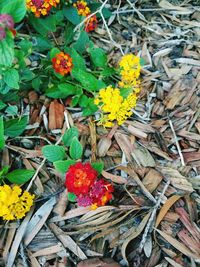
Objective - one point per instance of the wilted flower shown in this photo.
(62, 63)
(14, 203)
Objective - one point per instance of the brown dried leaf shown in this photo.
(152, 180)
(114, 178)
(61, 205)
(56, 115)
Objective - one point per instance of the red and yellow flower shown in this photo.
(91, 24)
(82, 8)
(62, 63)
(41, 7)
(80, 177)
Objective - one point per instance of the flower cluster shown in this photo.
(84, 10)
(6, 23)
(14, 204)
(130, 68)
(113, 106)
(62, 63)
(41, 7)
(81, 180)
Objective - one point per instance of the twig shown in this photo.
(177, 143)
(151, 219)
(23, 256)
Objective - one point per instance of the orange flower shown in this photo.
(62, 63)
(41, 7)
(82, 8)
(91, 24)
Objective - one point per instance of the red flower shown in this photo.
(62, 63)
(80, 177)
(91, 24)
(101, 192)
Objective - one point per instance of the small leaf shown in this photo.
(69, 135)
(76, 149)
(62, 166)
(2, 105)
(53, 152)
(72, 15)
(4, 171)
(77, 60)
(98, 57)
(11, 78)
(98, 166)
(71, 197)
(7, 50)
(2, 141)
(20, 176)
(15, 127)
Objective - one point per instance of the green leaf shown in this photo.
(69, 33)
(36, 83)
(12, 110)
(4, 171)
(16, 8)
(2, 141)
(71, 197)
(43, 25)
(54, 51)
(77, 60)
(72, 15)
(2, 105)
(142, 61)
(98, 166)
(75, 100)
(62, 91)
(20, 176)
(41, 43)
(53, 152)
(81, 44)
(7, 50)
(90, 109)
(15, 127)
(84, 101)
(11, 78)
(76, 149)
(62, 166)
(69, 135)
(125, 92)
(89, 82)
(107, 72)
(98, 57)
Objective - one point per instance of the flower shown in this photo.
(130, 68)
(41, 7)
(84, 200)
(119, 110)
(62, 63)
(91, 24)
(82, 8)
(14, 204)
(101, 192)
(6, 22)
(80, 177)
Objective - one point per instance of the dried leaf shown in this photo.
(56, 115)
(96, 262)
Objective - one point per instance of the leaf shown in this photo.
(44, 25)
(90, 109)
(4, 171)
(178, 245)
(98, 57)
(89, 82)
(11, 78)
(114, 178)
(62, 166)
(54, 51)
(163, 211)
(71, 197)
(16, 8)
(2, 105)
(2, 141)
(77, 60)
(76, 149)
(53, 152)
(15, 127)
(7, 50)
(62, 91)
(72, 15)
(69, 135)
(98, 166)
(83, 41)
(20, 176)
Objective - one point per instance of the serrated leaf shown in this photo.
(71, 197)
(98, 166)
(20, 176)
(15, 127)
(76, 149)
(11, 78)
(2, 141)
(53, 152)
(7, 50)
(62, 166)
(69, 135)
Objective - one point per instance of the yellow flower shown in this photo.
(113, 107)
(14, 204)
(82, 8)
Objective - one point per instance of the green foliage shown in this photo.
(76, 149)
(15, 127)
(53, 152)
(2, 141)
(71, 197)
(71, 15)
(20, 176)
(98, 57)
(11, 78)
(16, 8)
(62, 166)
(98, 166)
(7, 50)
(69, 135)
